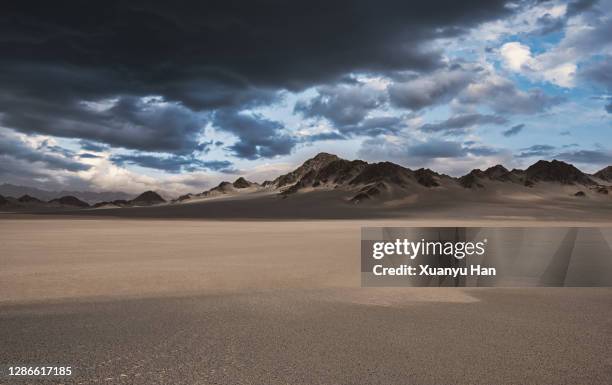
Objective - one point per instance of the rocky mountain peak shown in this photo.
(556, 171)
(427, 177)
(497, 172)
(313, 164)
(605, 174)
(148, 198)
(241, 183)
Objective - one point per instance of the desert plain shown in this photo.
(179, 301)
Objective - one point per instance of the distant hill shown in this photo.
(147, 198)
(225, 188)
(11, 190)
(28, 199)
(69, 201)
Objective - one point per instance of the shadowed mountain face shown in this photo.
(147, 198)
(472, 179)
(327, 171)
(557, 171)
(308, 169)
(241, 183)
(542, 171)
(383, 172)
(427, 178)
(498, 172)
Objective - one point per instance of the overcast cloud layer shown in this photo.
(128, 95)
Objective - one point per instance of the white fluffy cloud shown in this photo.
(547, 67)
(515, 55)
(585, 36)
(433, 89)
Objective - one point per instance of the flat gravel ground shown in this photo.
(489, 336)
(204, 302)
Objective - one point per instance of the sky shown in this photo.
(178, 96)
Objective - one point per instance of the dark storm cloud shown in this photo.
(200, 57)
(223, 166)
(419, 152)
(536, 150)
(347, 107)
(549, 24)
(482, 151)
(324, 136)
(587, 156)
(13, 147)
(92, 146)
(18, 172)
(468, 86)
(579, 6)
(503, 97)
(342, 105)
(434, 89)
(130, 122)
(375, 126)
(173, 164)
(48, 147)
(458, 124)
(258, 137)
(435, 148)
(514, 130)
(23, 173)
(599, 74)
(288, 44)
(88, 156)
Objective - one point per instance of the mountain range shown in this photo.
(382, 181)
(27, 202)
(328, 182)
(91, 197)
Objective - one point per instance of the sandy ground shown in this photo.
(254, 302)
